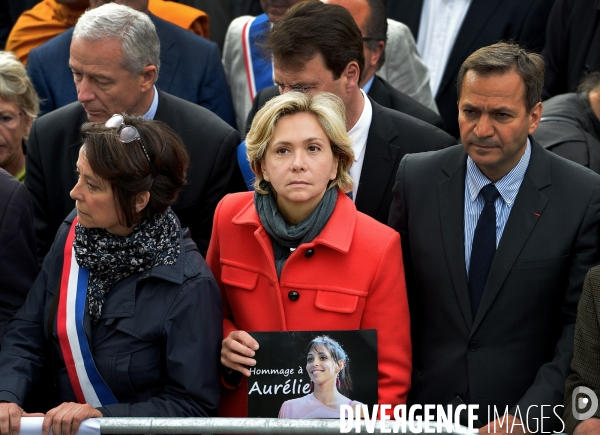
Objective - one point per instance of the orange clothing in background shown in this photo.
(40, 24)
(49, 19)
(185, 16)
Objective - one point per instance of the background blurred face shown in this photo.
(494, 122)
(360, 11)
(299, 163)
(94, 200)
(276, 9)
(14, 126)
(104, 87)
(321, 367)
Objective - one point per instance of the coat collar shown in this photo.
(336, 235)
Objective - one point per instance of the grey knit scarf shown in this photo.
(286, 238)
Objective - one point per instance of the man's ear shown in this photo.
(148, 76)
(375, 54)
(352, 74)
(534, 117)
(141, 201)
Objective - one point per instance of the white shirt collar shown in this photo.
(359, 134)
(149, 115)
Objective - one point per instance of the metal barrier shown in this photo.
(205, 426)
(213, 426)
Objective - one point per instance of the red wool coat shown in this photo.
(349, 277)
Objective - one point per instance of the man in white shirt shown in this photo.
(248, 70)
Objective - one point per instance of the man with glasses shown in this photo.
(115, 63)
(249, 69)
(318, 47)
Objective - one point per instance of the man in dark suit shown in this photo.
(190, 68)
(111, 80)
(18, 265)
(497, 237)
(370, 16)
(485, 22)
(318, 47)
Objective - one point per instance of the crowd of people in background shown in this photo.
(176, 175)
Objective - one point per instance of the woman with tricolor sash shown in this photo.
(125, 311)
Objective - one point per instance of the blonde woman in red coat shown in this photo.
(297, 255)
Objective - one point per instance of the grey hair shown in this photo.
(135, 30)
(15, 86)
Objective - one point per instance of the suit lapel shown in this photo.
(451, 196)
(521, 221)
(378, 163)
(477, 16)
(169, 53)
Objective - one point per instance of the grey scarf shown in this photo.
(287, 238)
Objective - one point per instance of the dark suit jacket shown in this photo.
(388, 96)
(190, 68)
(53, 149)
(391, 136)
(584, 367)
(572, 45)
(570, 128)
(18, 263)
(517, 349)
(486, 22)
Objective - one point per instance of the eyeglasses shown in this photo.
(127, 134)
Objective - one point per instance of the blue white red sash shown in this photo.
(88, 385)
(259, 71)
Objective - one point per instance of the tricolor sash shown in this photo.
(88, 385)
(259, 71)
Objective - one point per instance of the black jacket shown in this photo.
(156, 345)
(570, 129)
(53, 149)
(18, 261)
(572, 45)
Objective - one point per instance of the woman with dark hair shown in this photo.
(125, 311)
(296, 253)
(328, 368)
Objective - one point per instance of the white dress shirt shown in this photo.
(359, 134)
(440, 23)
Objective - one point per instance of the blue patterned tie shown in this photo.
(484, 246)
